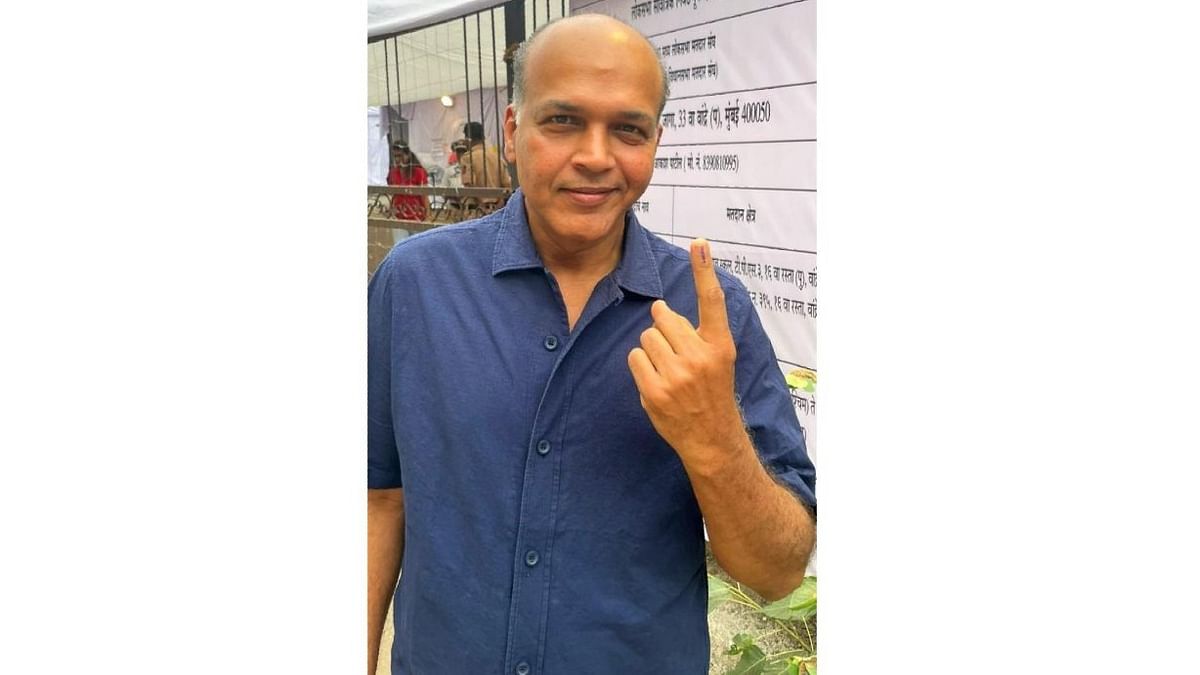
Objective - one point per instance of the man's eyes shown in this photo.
(631, 129)
(627, 130)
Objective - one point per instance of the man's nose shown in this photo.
(593, 152)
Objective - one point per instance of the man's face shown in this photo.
(584, 147)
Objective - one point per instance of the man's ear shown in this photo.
(510, 134)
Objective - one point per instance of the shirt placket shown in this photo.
(534, 543)
(535, 530)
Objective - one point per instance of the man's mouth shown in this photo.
(587, 195)
(590, 190)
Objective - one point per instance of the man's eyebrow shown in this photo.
(559, 106)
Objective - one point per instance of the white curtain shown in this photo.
(377, 146)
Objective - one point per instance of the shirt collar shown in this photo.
(637, 271)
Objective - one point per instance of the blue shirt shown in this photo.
(548, 527)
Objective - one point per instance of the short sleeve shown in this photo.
(767, 407)
(383, 459)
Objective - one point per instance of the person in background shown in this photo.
(481, 165)
(457, 149)
(407, 170)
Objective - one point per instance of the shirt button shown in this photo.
(550, 343)
(543, 447)
(522, 668)
(531, 558)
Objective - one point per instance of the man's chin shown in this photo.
(590, 227)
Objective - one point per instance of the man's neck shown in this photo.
(578, 270)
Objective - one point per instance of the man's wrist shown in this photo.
(720, 461)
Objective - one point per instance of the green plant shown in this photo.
(790, 615)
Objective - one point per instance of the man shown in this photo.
(547, 426)
(481, 166)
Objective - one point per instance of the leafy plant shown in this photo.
(789, 615)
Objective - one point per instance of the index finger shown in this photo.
(710, 298)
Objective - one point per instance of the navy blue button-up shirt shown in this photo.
(548, 527)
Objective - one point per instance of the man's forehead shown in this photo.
(565, 70)
(592, 37)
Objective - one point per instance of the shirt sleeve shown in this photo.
(767, 407)
(383, 458)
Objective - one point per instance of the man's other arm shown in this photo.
(760, 532)
(385, 550)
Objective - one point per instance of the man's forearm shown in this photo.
(760, 533)
(385, 550)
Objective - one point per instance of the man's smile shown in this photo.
(589, 196)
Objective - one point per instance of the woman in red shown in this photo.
(407, 170)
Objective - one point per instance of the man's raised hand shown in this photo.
(685, 374)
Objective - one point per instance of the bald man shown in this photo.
(559, 401)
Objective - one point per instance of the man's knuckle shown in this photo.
(686, 377)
